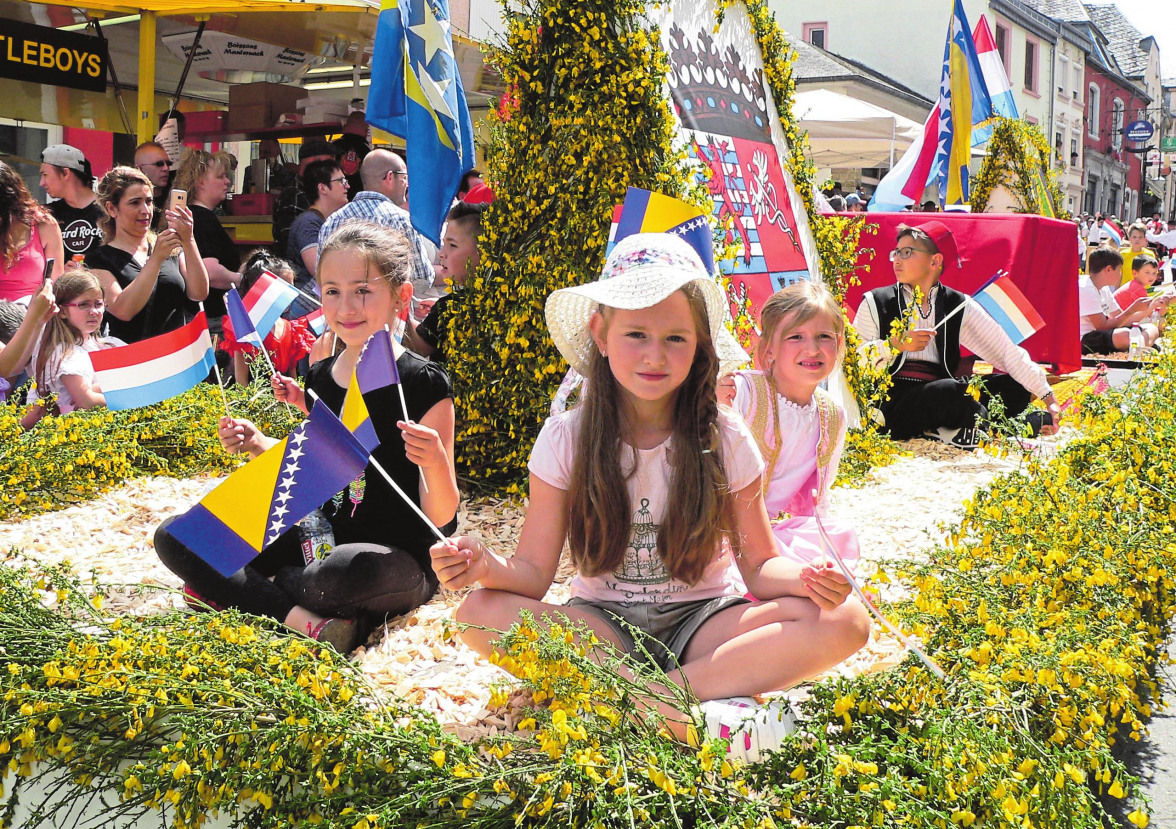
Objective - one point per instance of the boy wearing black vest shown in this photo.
(928, 396)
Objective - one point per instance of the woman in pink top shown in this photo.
(28, 236)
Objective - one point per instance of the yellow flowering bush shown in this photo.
(1017, 152)
(74, 457)
(1047, 607)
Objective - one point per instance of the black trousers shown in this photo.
(917, 406)
(365, 582)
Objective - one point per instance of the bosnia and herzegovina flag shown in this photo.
(153, 370)
(375, 369)
(647, 212)
(963, 90)
(416, 94)
(942, 151)
(271, 493)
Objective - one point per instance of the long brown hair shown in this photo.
(16, 205)
(68, 287)
(700, 509)
(111, 189)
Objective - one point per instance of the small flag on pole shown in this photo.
(243, 328)
(375, 369)
(266, 301)
(1005, 303)
(267, 496)
(1041, 189)
(156, 369)
(1114, 233)
(316, 321)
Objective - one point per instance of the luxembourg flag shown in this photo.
(995, 78)
(1114, 233)
(243, 328)
(1005, 303)
(316, 321)
(266, 301)
(156, 369)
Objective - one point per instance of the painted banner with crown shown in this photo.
(731, 129)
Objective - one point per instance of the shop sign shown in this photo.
(46, 56)
(1168, 143)
(1138, 131)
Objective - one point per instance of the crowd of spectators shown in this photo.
(149, 238)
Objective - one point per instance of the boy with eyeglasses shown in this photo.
(929, 396)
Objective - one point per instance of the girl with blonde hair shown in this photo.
(798, 427)
(60, 362)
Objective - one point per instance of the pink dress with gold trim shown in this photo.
(802, 447)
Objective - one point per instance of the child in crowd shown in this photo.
(380, 564)
(658, 492)
(457, 258)
(289, 341)
(60, 362)
(1144, 273)
(800, 429)
(1105, 327)
(1136, 246)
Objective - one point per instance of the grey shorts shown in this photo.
(667, 627)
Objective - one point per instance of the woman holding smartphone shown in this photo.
(151, 283)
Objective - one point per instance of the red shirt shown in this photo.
(288, 343)
(1129, 293)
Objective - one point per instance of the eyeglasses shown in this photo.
(160, 164)
(398, 173)
(906, 253)
(97, 305)
(342, 180)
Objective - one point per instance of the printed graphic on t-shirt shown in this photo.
(79, 236)
(642, 564)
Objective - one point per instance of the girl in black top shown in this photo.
(380, 565)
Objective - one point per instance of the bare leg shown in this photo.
(746, 649)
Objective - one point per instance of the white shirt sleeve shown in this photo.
(982, 335)
(874, 348)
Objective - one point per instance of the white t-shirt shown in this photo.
(1093, 300)
(642, 578)
(68, 360)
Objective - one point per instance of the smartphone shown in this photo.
(178, 198)
(47, 276)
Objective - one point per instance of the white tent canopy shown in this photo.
(846, 132)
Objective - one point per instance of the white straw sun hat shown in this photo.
(641, 271)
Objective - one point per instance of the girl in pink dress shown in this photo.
(798, 426)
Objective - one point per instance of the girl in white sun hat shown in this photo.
(657, 491)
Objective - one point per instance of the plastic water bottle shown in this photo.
(1135, 349)
(316, 536)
